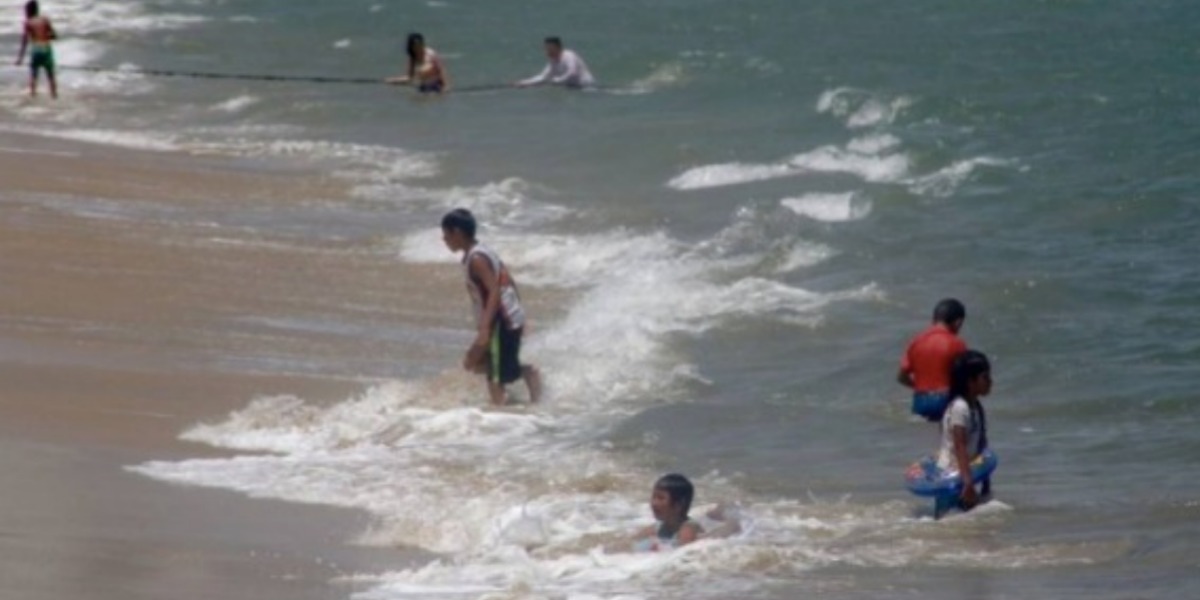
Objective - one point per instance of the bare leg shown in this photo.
(533, 380)
(33, 85)
(496, 393)
(53, 84)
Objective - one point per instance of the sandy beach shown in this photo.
(115, 336)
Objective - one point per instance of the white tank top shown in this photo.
(510, 301)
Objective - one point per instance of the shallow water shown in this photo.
(740, 232)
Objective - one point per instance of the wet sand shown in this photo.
(117, 334)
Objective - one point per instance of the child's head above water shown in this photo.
(672, 498)
(971, 375)
(31, 9)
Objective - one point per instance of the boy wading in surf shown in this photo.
(498, 313)
(36, 36)
(925, 366)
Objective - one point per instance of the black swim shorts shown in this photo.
(504, 354)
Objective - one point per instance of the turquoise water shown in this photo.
(827, 171)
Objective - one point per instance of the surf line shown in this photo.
(264, 77)
(12, 150)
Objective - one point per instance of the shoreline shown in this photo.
(111, 345)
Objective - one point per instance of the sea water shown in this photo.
(746, 222)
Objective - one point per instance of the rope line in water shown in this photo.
(261, 77)
(237, 76)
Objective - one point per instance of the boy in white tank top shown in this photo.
(496, 351)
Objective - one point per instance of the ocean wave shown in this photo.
(829, 208)
(945, 181)
(860, 159)
(236, 104)
(860, 108)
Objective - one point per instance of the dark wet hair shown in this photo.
(948, 311)
(32, 9)
(555, 40)
(411, 45)
(967, 366)
(678, 489)
(460, 219)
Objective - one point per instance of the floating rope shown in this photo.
(237, 76)
(258, 77)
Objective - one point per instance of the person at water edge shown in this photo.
(670, 501)
(37, 36)
(565, 68)
(425, 68)
(964, 426)
(496, 350)
(925, 366)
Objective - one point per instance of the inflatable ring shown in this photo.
(924, 478)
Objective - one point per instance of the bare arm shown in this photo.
(688, 533)
(969, 498)
(403, 79)
(538, 79)
(24, 45)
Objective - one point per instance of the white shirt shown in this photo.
(569, 70)
(959, 414)
(510, 301)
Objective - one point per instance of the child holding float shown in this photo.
(964, 461)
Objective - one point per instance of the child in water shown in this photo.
(37, 36)
(670, 502)
(925, 366)
(964, 426)
(496, 352)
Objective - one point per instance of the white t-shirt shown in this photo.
(569, 70)
(959, 414)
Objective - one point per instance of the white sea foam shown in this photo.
(830, 208)
(85, 18)
(723, 174)
(365, 164)
(342, 44)
(123, 139)
(946, 181)
(860, 108)
(861, 160)
(89, 24)
(236, 104)
(873, 143)
(668, 74)
(525, 502)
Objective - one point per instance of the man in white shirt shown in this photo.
(565, 68)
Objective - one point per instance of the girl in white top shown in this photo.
(964, 426)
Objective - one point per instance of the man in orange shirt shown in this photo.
(925, 366)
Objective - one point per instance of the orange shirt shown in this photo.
(930, 356)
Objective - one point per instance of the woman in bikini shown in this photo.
(425, 69)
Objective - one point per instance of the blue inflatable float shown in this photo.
(924, 478)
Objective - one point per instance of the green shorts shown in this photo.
(41, 58)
